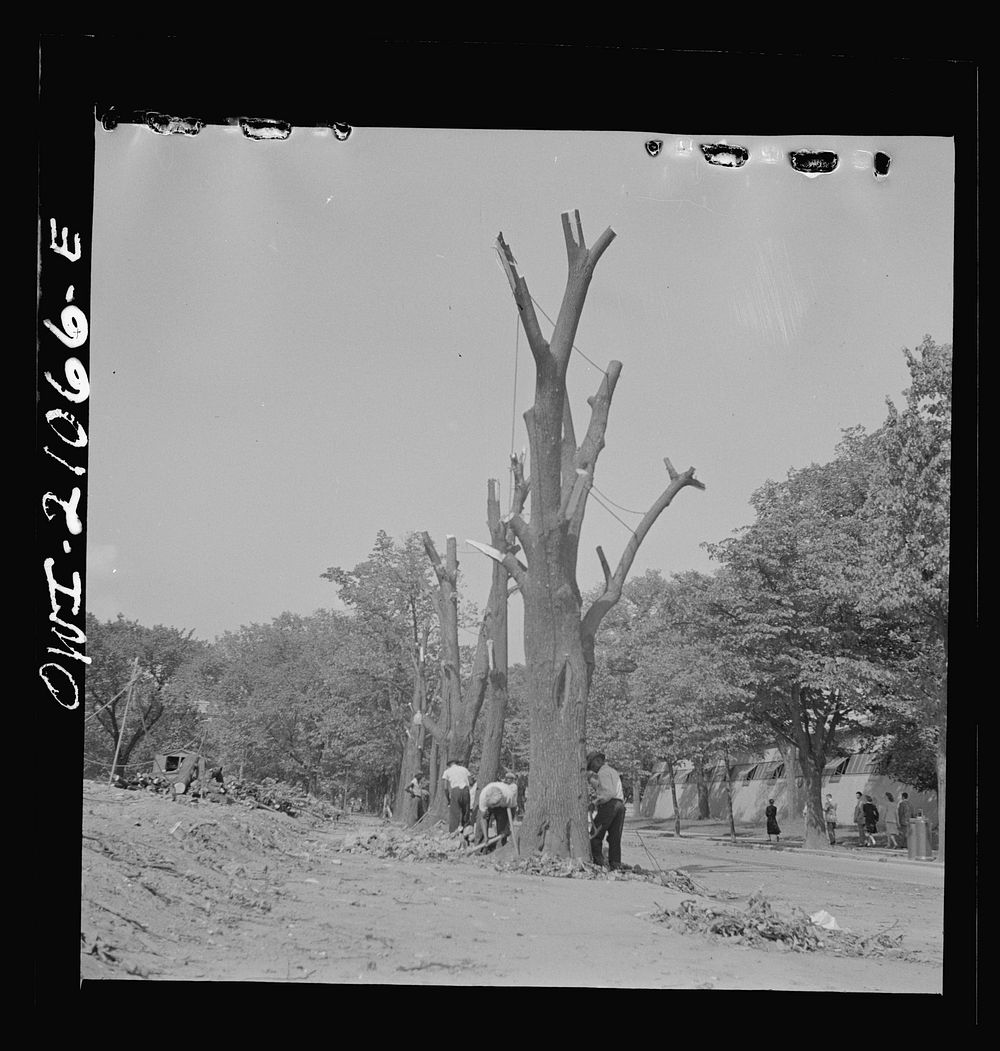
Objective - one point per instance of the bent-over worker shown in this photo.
(610, 817)
(495, 800)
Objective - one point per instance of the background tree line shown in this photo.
(322, 702)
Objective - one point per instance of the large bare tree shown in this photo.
(558, 632)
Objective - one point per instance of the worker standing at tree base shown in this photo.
(458, 781)
(610, 817)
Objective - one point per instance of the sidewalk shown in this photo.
(752, 838)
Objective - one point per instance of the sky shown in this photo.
(298, 343)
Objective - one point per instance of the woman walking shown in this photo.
(871, 821)
(891, 822)
(771, 813)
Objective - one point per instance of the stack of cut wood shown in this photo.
(141, 782)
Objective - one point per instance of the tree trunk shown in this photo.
(793, 797)
(437, 807)
(941, 781)
(673, 796)
(555, 817)
(496, 708)
(813, 734)
(407, 806)
(704, 802)
(729, 797)
(496, 713)
(814, 822)
(812, 765)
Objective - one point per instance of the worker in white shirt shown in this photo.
(495, 800)
(610, 817)
(458, 781)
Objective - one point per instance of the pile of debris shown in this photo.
(577, 868)
(547, 865)
(759, 926)
(141, 783)
(269, 793)
(390, 842)
(278, 795)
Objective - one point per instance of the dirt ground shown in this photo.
(205, 892)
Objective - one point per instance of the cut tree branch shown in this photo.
(568, 450)
(604, 566)
(581, 261)
(613, 587)
(590, 448)
(600, 406)
(522, 485)
(522, 297)
(515, 568)
(514, 521)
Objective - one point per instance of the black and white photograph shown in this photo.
(517, 554)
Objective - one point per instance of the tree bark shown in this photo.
(407, 806)
(790, 757)
(502, 540)
(704, 802)
(814, 823)
(673, 796)
(942, 743)
(729, 796)
(558, 636)
(813, 733)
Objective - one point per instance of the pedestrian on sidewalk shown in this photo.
(771, 813)
(905, 812)
(891, 822)
(830, 816)
(859, 818)
(871, 821)
(610, 817)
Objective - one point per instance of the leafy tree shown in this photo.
(907, 520)
(136, 688)
(666, 687)
(789, 600)
(391, 597)
(905, 749)
(291, 700)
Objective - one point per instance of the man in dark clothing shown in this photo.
(610, 817)
(859, 818)
(905, 814)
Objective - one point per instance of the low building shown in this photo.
(756, 780)
(180, 766)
